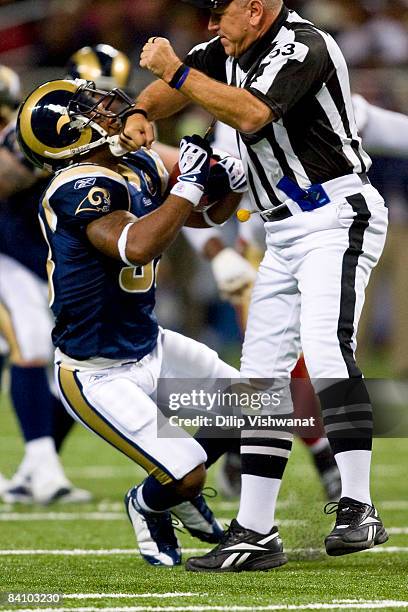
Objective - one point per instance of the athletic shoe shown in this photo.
(229, 476)
(199, 520)
(4, 483)
(154, 532)
(329, 473)
(36, 490)
(358, 527)
(241, 550)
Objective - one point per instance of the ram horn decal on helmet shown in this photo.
(59, 121)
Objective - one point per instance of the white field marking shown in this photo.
(96, 472)
(397, 530)
(78, 552)
(130, 595)
(62, 516)
(338, 605)
(394, 504)
(96, 516)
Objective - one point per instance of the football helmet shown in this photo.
(61, 121)
(10, 92)
(104, 65)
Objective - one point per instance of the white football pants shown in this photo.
(117, 402)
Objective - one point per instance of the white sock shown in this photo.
(40, 448)
(354, 467)
(258, 502)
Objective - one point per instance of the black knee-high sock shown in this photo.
(347, 415)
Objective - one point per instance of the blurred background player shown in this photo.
(24, 314)
(25, 319)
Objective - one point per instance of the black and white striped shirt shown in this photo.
(300, 73)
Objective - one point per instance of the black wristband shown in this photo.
(181, 72)
(135, 111)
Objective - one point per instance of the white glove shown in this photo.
(194, 164)
(233, 275)
(234, 169)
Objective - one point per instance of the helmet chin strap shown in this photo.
(113, 141)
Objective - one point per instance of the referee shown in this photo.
(283, 84)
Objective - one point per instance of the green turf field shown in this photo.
(88, 552)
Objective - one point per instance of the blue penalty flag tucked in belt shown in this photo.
(308, 199)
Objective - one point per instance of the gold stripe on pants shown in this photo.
(70, 386)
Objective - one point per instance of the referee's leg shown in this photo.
(271, 349)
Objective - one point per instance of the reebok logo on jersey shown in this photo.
(192, 179)
(85, 182)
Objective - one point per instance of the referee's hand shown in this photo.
(159, 57)
(137, 132)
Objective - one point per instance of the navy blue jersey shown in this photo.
(20, 233)
(102, 307)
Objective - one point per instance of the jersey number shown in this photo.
(289, 49)
(138, 279)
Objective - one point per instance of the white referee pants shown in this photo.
(309, 292)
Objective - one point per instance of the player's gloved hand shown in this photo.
(233, 275)
(194, 164)
(226, 175)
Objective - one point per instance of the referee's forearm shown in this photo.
(235, 107)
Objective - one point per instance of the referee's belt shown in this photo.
(315, 196)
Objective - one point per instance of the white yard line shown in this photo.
(130, 595)
(78, 552)
(99, 516)
(335, 605)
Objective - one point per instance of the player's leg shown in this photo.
(116, 405)
(271, 348)
(185, 358)
(26, 323)
(330, 311)
(307, 405)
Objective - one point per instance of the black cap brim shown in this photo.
(208, 4)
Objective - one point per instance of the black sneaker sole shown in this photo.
(335, 546)
(262, 564)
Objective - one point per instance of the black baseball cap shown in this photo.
(208, 4)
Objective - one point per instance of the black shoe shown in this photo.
(241, 550)
(358, 527)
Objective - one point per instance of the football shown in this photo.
(211, 195)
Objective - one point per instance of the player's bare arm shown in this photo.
(147, 238)
(218, 214)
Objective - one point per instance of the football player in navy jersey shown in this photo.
(106, 220)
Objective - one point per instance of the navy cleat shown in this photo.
(154, 531)
(199, 520)
(358, 527)
(241, 550)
